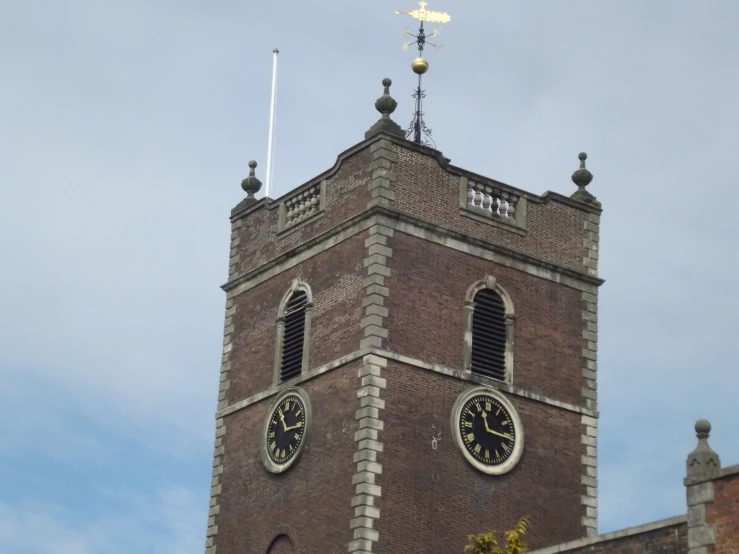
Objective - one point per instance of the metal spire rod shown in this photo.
(271, 138)
(418, 124)
(420, 66)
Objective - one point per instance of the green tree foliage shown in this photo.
(487, 543)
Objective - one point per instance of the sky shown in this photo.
(126, 131)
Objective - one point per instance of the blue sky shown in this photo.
(127, 128)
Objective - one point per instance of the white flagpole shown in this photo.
(274, 132)
(271, 139)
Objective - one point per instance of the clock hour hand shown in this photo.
(282, 417)
(489, 430)
(296, 426)
(485, 420)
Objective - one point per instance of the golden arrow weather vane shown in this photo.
(425, 15)
(420, 65)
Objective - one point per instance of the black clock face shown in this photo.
(487, 430)
(286, 429)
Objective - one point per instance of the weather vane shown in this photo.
(420, 65)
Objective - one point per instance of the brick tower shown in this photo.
(409, 357)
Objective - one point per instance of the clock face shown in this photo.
(286, 429)
(488, 430)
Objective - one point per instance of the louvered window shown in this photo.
(488, 335)
(293, 336)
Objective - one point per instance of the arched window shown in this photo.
(489, 334)
(281, 545)
(293, 332)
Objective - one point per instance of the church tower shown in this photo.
(409, 358)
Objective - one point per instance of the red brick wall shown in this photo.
(432, 499)
(672, 539)
(427, 315)
(724, 513)
(335, 277)
(313, 497)
(346, 196)
(425, 190)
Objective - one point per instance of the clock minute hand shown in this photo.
(297, 426)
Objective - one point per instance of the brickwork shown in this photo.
(723, 513)
(347, 194)
(311, 499)
(336, 279)
(432, 498)
(554, 224)
(427, 315)
(388, 254)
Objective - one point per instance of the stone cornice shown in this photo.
(513, 390)
(364, 220)
(623, 533)
(498, 249)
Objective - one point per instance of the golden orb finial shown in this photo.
(420, 66)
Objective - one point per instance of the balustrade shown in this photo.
(302, 205)
(492, 201)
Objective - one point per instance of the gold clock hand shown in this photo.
(296, 426)
(485, 419)
(504, 435)
(282, 417)
(489, 430)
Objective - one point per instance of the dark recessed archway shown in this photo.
(281, 545)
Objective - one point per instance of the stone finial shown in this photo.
(251, 184)
(703, 463)
(386, 105)
(582, 178)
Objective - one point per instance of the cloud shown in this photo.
(169, 522)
